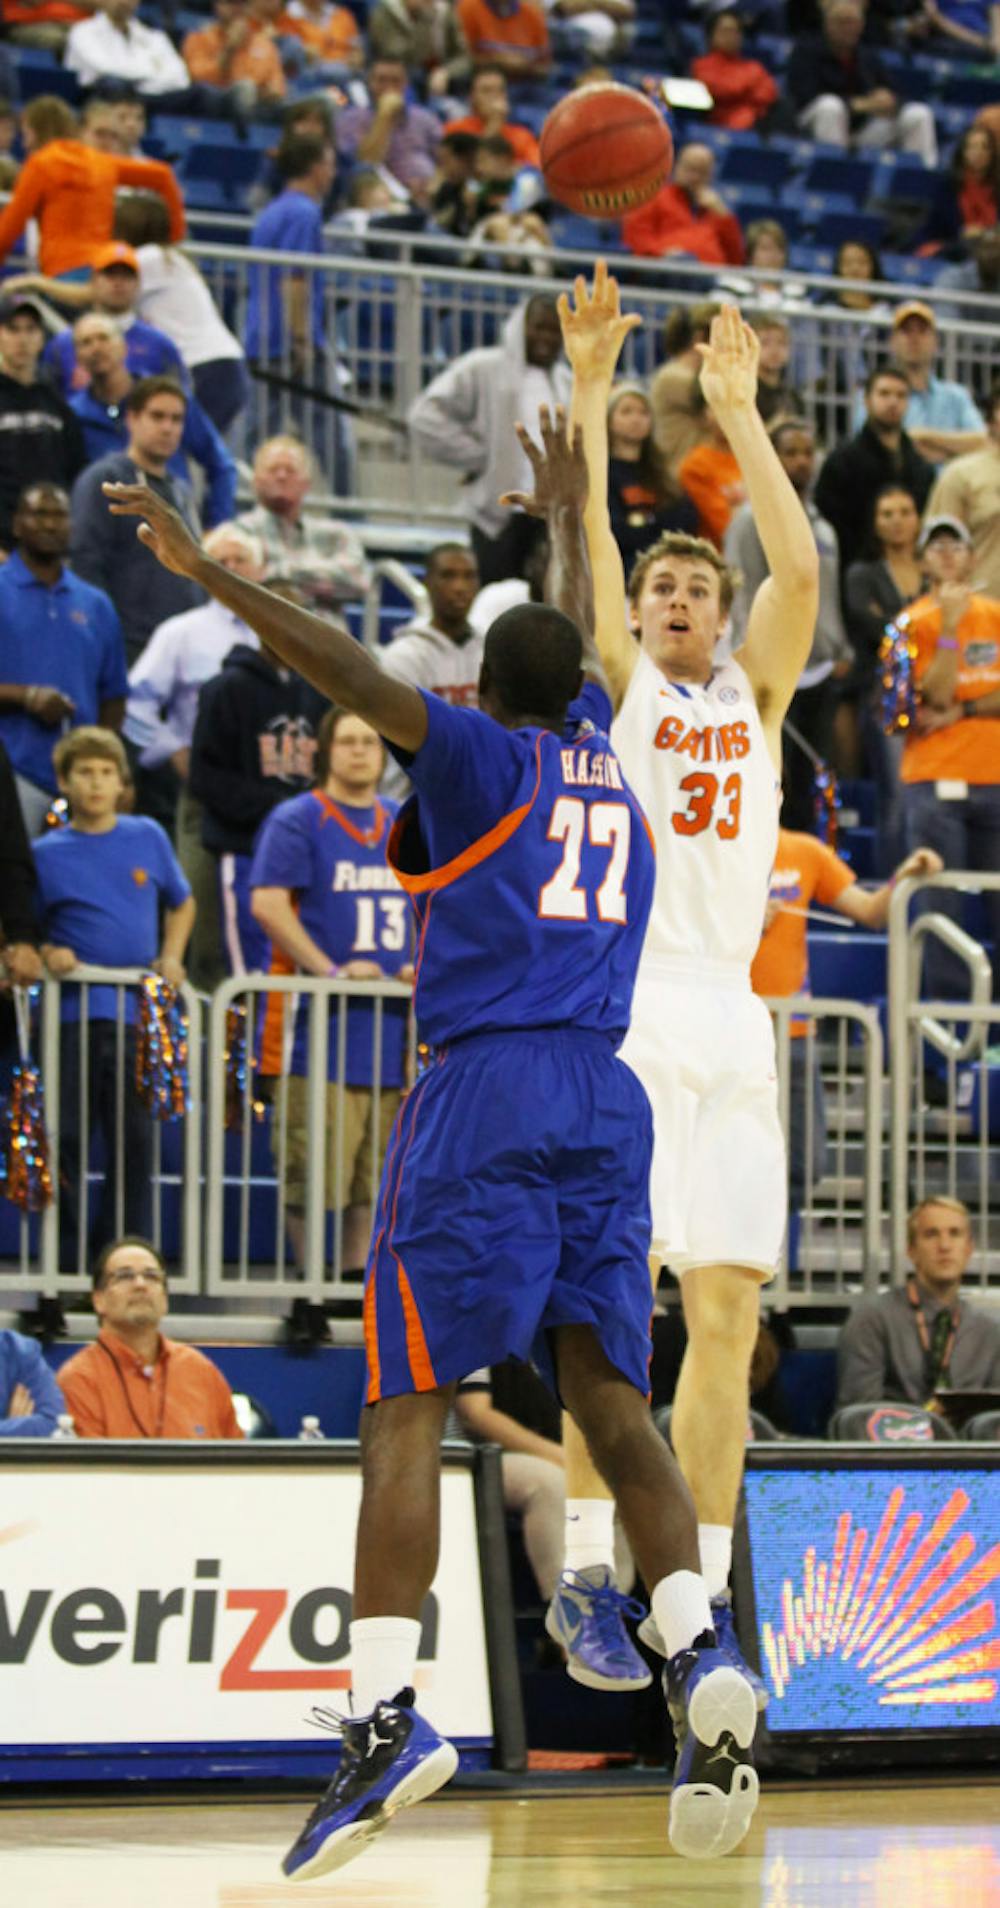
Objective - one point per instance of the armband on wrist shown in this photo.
(948, 642)
(330, 970)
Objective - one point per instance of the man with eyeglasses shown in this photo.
(132, 1382)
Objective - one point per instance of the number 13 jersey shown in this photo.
(697, 759)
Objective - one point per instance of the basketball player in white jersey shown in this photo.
(701, 746)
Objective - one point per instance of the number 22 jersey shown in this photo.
(530, 867)
(698, 761)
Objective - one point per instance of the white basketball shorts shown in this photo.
(703, 1046)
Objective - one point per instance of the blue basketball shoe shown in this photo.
(714, 1714)
(388, 1760)
(726, 1638)
(587, 1618)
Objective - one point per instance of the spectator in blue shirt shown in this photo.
(31, 1402)
(113, 288)
(62, 658)
(101, 348)
(104, 548)
(285, 334)
(104, 882)
(941, 418)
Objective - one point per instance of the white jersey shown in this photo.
(698, 761)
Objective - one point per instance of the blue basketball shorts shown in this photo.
(514, 1199)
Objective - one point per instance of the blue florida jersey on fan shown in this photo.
(332, 856)
(531, 869)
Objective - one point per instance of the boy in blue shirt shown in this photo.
(514, 1207)
(104, 882)
(322, 892)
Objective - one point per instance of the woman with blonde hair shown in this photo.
(643, 498)
(174, 296)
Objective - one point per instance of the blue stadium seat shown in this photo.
(846, 175)
(900, 177)
(970, 89)
(847, 965)
(837, 227)
(767, 166)
(35, 75)
(224, 168)
(809, 258)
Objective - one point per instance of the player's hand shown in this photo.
(559, 468)
(163, 531)
(923, 861)
(595, 328)
(361, 970)
(21, 1404)
(729, 365)
(953, 597)
(928, 720)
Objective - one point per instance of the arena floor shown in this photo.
(877, 1846)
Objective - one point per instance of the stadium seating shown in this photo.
(888, 1423)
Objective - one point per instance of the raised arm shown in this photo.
(559, 470)
(594, 331)
(783, 614)
(322, 652)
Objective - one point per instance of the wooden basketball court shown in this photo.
(874, 1846)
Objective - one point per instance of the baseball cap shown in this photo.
(914, 308)
(116, 252)
(12, 306)
(944, 526)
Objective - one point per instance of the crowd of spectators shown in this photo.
(212, 797)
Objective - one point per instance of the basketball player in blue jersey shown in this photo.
(514, 1202)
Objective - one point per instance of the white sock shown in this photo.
(715, 1547)
(681, 1608)
(590, 1533)
(383, 1660)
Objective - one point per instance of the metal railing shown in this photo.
(944, 1120)
(258, 1241)
(54, 1254)
(830, 1106)
(393, 324)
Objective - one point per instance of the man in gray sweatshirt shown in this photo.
(814, 703)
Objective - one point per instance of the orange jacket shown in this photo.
(672, 222)
(709, 473)
(70, 189)
(742, 90)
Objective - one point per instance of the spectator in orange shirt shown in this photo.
(806, 870)
(713, 480)
(329, 34)
(235, 57)
(70, 189)
(489, 103)
(687, 216)
(951, 755)
(132, 1382)
(511, 34)
(743, 91)
(43, 23)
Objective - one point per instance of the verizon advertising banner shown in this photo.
(185, 1603)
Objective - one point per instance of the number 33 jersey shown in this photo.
(697, 758)
(530, 866)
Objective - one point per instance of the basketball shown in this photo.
(605, 150)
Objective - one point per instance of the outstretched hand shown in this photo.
(163, 530)
(729, 364)
(559, 468)
(595, 327)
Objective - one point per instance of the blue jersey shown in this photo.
(332, 856)
(530, 866)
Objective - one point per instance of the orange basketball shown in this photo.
(605, 150)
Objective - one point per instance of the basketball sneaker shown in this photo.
(587, 1618)
(714, 1714)
(725, 1632)
(388, 1760)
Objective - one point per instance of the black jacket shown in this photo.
(814, 68)
(40, 443)
(18, 886)
(254, 744)
(851, 478)
(871, 600)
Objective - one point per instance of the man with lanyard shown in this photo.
(922, 1338)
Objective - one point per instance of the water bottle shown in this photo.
(310, 1433)
(65, 1428)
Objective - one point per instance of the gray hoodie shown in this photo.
(467, 414)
